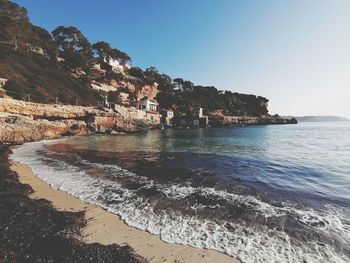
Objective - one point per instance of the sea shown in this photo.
(277, 193)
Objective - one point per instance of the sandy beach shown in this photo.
(106, 228)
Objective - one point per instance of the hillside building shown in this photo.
(148, 108)
(195, 120)
(167, 117)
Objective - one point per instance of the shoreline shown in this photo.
(32, 230)
(106, 228)
(22, 121)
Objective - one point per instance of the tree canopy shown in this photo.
(73, 46)
(18, 36)
(13, 10)
(103, 52)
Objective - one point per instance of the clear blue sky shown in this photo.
(296, 53)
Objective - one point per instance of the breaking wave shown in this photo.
(244, 226)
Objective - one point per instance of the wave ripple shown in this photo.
(244, 226)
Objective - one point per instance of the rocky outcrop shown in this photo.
(19, 129)
(149, 91)
(24, 122)
(227, 121)
(49, 110)
(2, 82)
(138, 88)
(133, 86)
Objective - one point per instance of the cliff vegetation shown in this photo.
(65, 66)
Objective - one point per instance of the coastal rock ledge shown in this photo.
(25, 122)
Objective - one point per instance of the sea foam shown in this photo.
(247, 242)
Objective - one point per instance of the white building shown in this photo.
(167, 114)
(199, 113)
(115, 64)
(167, 117)
(146, 105)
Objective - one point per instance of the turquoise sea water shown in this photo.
(259, 193)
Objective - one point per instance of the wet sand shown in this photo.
(106, 228)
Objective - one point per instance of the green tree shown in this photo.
(103, 52)
(13, 10)
(152, 74)
(73, 46)
(41, 38)
(137, 72)
(184, 85)
(121, 56)
(17, 32)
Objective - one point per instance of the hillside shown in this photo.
(28, 60)
(63, 66)
(31, 73)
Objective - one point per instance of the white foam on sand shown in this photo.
(248, 243)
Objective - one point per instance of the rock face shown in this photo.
(133, 86)
(46, 110)
(136, 87)
(149, 91)
(19, 129)
(2, 82)
(227, 121)
(24, 122)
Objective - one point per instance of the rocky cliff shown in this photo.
(24, 122)
(40, 64)
(122, 82)
(64, 67)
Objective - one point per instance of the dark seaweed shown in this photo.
(34, 231)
